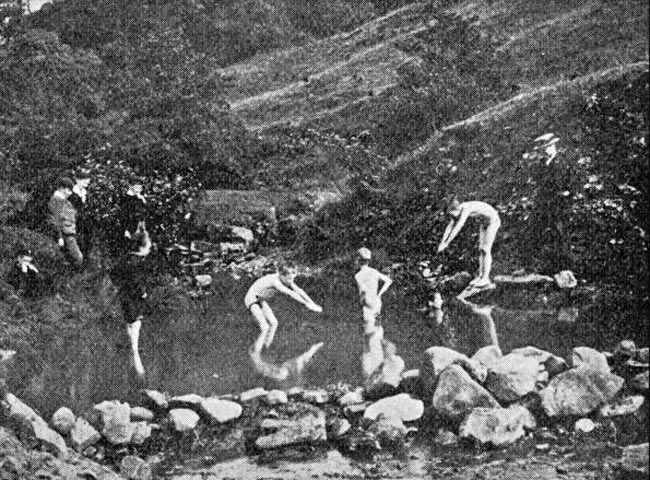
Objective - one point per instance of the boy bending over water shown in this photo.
(490, 223)
(266, 287)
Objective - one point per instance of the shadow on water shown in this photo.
(207, 349)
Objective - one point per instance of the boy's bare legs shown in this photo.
(133, 330)
(486, 237)
(259, 316)
(272, 321)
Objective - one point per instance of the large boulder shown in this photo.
(497, 426)
(63, 420)
(116, 420)
(221, 411)
(308, 427)
(512, 377)
(457, 394)
(477, 370)
(83, 435)
(487, 355)
(579, 392)
(28, 419)
(586, 357)
(403, 406)
(183, 419)
(436, 359)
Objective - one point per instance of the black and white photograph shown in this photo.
(315, 240)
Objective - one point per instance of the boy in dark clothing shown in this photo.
(132, 219)
(62, 218)
(24, 275)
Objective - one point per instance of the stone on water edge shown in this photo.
(456, 394)
(141, 414)
(191, 400)
(488, 354)
(183, 419)
(116, 421)
(436, 359)
(586, 357)
(158, 399)
(83, 435)
(252, 394)
(512, 377)
(276, 397)
(221, 411)
(579, 392)
(584, 425)
(497, 426)
(351, 398)
(308, 428)
(402, 406)
(63, 420)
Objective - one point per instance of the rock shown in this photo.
(141, 414)
(159, 400)
(141, 433)
(512, 377)
(389, 431)
(337, 428)
(497, 426)
(221, 411)
(436, 359)
(625, 350)
(565, 279)
(308, 428)
(639, 383)
(385, 379)
(243, 234)
(403, 406)
(584, 425)
(191, 400)
(642, 355)
(555, 365)
(116, 421)
(276, 397)
(33, 423)
(350, 398)
(625, 406)
(83, 435)
(534, 353)
(203, 280)
(134, 468)
(356, 408)
(252, 394)
(635, 459)
(488, 354)
(477, 370)
(579, 392)
(459, 280)
(63, 420)
(586, 357)
(457, 394)
(316, 396)
(445, 438)
(183, 419)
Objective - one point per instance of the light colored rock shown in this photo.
(579, 392)
(389, 430)
(584, 425)
(565, 279)
(497, 426)
(635, 459)
(116, 421)
(20, 412)
(639, 383)
(203, 281)
(488, 354)
(83, 435)
(350, 398)
(413, 373)
(436, 359)
(586, 357)
(141, 414)
(457, 394)
(512, 376)
(533, 353)
(191, 400)
(403, 406)
(63, 420)
(244, 234)
(338, 428)
(477, 370)
(356, 408)
(134, 468)
(625, 406)
(277, 397)
(158, 399)
(309, 428)
(316, 396)
(183, 419)
(252, 394)
(141, 433)
(221, 410)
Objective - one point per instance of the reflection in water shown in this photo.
(488, 329)
(380, 360)
(287, 373)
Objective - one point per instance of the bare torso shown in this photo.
(367, 279)
(481, 210)
(262, 289)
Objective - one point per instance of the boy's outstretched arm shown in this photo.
(457, 227)
(445, 236)
(387, 282)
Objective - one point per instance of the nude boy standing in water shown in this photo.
(368, 279)
(490, 223)
(265, 288)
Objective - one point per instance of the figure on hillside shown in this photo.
(265, 288)
(489, 225)
(24, 276)
(132, 218)
(368, 279)
(62, 218)
(78, 199)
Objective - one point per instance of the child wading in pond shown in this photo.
(368, 279)
(490, 223)
(265, 288)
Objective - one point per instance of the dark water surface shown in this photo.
(206, 350)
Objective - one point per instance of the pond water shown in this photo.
(206, 350)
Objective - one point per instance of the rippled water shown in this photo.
(206, 351)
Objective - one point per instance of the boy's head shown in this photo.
(287, 274)
(65, 185)
(452, 207)
(135, 188)
(364, 255)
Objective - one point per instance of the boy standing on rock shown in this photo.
(368, 279)
(490, 223)
(266, 287)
